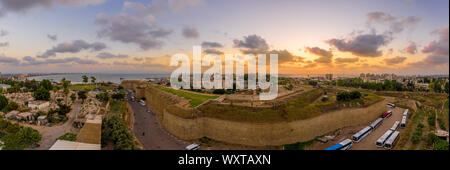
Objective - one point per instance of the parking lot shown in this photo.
(368, 143)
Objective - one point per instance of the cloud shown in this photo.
(138, 58)
(4, 44)
(178, 5)
(190, 32)
(411, 48)
(251, 44)
(8, 60)
(135, 24)
(212, 51)
(3, 33)
(285, 56)
(346, 60)
(438, 50)
(33, 61)
(106, 55)
(363, 45)
(73, 47)
(25, 5)
(395, 60)
(395, 25)
(325, 56)
(379, 17)
(52, 37)
(159, 33)
(211, 45)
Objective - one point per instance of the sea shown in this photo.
(100, 77)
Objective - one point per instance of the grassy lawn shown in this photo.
(81, 87)
(68, 137)
(194, 98)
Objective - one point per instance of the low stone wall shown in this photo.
(190, 127)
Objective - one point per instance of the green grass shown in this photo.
(68, 137)
(194, 98)
(81, 87)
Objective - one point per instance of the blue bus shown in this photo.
(344, 145)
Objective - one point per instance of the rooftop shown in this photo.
(69, 145)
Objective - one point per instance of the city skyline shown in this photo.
(311, 37)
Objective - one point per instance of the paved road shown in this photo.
(50, 134)
(149, 132)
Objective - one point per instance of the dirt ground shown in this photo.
(368, 143)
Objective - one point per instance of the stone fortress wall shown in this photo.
(182, 121)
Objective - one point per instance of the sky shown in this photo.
(404, 37)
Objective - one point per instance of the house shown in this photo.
(12, 115)
(4, 87)
(42, 120)
(38, 105)
(25, 116)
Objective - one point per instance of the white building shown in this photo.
(38, 105)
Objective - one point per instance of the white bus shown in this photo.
(403, 124)
(344, 145)
(395, 126)
(405, 113)
(376, 123)
(380, 142)
(390, 105)
(193, 146)
(390, 142)
(362, 134)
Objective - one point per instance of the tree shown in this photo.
(73, 97)
(3, 102)
(118, 96)
(85, 78)
(82, 95)
(65, 84)
(355, 95)
(42, 94)
(64, 109)
(28, 136)
(10, 107)
(47, 84)
(102, 97)
(446, 87)
(93, 79)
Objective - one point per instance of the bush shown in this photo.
(10, 107)
(115, 129)
(219, 91)
(68, 137)
(346, 96)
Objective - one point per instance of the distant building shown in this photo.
(329, 76)
(5, 87)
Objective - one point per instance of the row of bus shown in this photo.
(347, 143)
(390, 137)
(387, 140)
